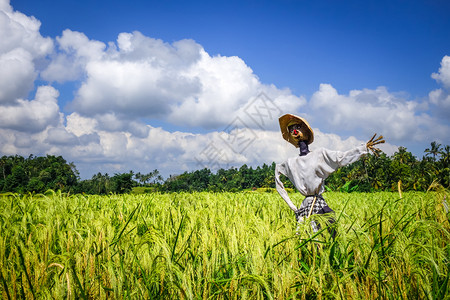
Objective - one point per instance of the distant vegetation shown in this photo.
(383, 173)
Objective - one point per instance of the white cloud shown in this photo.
(129, 88)
(80, 125)
(440, 98)
(110, 122)
(137, 47)
(139, 78)
(21, 47)
(169, 152)
(76, 50)
(14, 142)
(35, 115)
(23, 140)
(60, 136)
(4, 5)
(17, 75)
(143, 77)
(20, 31)
(364, 112)
(443, 75)
(114, 145)
(227, 85)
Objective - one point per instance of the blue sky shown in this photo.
(350, 67)
(295, 44)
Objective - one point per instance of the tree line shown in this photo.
(387, 173)
(371, 173)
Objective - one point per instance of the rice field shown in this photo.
(222, 246)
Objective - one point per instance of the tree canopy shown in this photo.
(371, 173)
(36, 174)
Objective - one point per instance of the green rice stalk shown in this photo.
(22, 262)
(5, 285)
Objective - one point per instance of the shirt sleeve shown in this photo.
(281, 169)
(337, 159)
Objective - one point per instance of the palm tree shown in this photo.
(3, 162)
(403, 156)
(434, 150)
(445, 155)
(445, 165)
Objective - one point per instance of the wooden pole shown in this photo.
(310, 211)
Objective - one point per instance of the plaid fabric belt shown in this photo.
(311, 205)
(314, 204)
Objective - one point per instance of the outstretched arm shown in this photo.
(280, 169)
(373, 142)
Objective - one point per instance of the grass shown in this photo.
(222, 246)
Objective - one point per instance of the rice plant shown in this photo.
(222, 246)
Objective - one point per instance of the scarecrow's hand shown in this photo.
(373, 142)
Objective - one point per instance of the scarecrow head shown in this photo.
(295, 129)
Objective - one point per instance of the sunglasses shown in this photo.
(293, 129)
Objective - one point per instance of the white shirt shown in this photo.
(308, 172)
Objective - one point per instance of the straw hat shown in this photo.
(288, 120)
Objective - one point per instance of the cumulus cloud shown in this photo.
(75, 51)
(110, 122)
(35, 115)
(443, 75)
(21, 48)
(440, 98)
(227, 84)
(17, 75)
(60, 136)
(142, 77)
(132, 85)
(20, 31)
(128, 88)
(137, 47)
(364, 112)
(23, 140)
(125, 83)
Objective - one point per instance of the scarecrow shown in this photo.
(308, 171)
